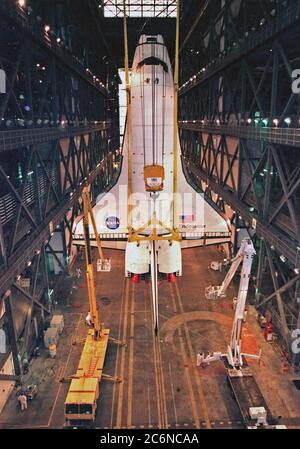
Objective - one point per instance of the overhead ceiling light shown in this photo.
(288, 121)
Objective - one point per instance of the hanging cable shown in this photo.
(144, 112)
(153, 108)
(176, 81)
(129, 117)
(164, 90)
(142, 92)
(156, 99)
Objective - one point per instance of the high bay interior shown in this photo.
(236, 155)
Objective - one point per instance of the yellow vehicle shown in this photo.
(81, 401)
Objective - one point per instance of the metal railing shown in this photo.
(18, 261)
(186, 235)
(280, 136)
(282, 244)
(12, 139)
(8, 202)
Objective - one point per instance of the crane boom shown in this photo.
(89, 266)
(83, 394)
(245, 390)
(246, 251)
(246, 255)
(234, 355)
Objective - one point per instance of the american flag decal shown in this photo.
(187, 218)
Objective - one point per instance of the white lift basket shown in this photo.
(104, 265)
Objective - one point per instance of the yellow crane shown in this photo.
(103, 264)
(81, 401)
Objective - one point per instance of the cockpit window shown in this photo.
(152, 60)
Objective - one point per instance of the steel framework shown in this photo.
(239, 130)
(58, 133)
(138, 8)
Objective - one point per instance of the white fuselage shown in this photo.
(150, 141)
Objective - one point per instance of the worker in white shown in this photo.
(23, 402)
(88, 320)
(200, 359)
(235, 300)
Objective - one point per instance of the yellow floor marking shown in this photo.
(118, 353)
(64, 374)
(187, 373)
(173, 394)
(122, 370)
(162, 383)
(193, 356)
(146, 311)
(159, 377)
(131, 359)
(159, 417)
(59, 374)
(149, 404)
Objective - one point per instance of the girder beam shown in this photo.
(27, 249)
(263, 229)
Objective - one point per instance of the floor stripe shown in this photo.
(160, 387)
(122, 369)
(117, 355)
(131, 359)
(193, 356)
(173, 393)
(64, 374)
(187, 373)
(157, 386)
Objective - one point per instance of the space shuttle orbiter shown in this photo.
(148, 169)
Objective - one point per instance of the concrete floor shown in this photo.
(162, 386)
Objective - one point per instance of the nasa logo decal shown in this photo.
(112, 223)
